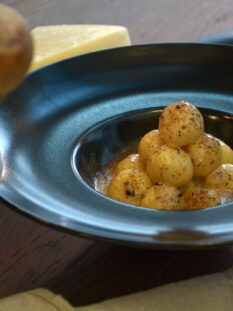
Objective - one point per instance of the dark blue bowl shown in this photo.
(70, 118)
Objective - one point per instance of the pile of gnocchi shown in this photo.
(177, 166)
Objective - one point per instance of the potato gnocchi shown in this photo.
(163, 196)
(170, 164)
(177, 166)
(129, 186)
(206, 155)
(181, 124)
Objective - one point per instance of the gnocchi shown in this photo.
(181, 124)
(149, 144)
(178, 166)
(227, 153)
(221, 178)
(162, 196)
(198, 198)
(205, 154)
(132, 161)
(170, 164)
(129, 186)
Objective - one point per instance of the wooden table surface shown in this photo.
(33, 255)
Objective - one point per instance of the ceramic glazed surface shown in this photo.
(70, 118)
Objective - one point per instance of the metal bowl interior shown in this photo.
(90, 107)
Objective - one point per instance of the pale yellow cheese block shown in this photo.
(55, 43)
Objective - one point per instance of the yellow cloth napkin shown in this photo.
(211, 292)
(208, 293)
(35, 300)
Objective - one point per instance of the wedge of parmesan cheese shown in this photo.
(55, 43)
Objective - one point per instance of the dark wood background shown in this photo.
(33, 255)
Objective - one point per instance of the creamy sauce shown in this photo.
(103, 180)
